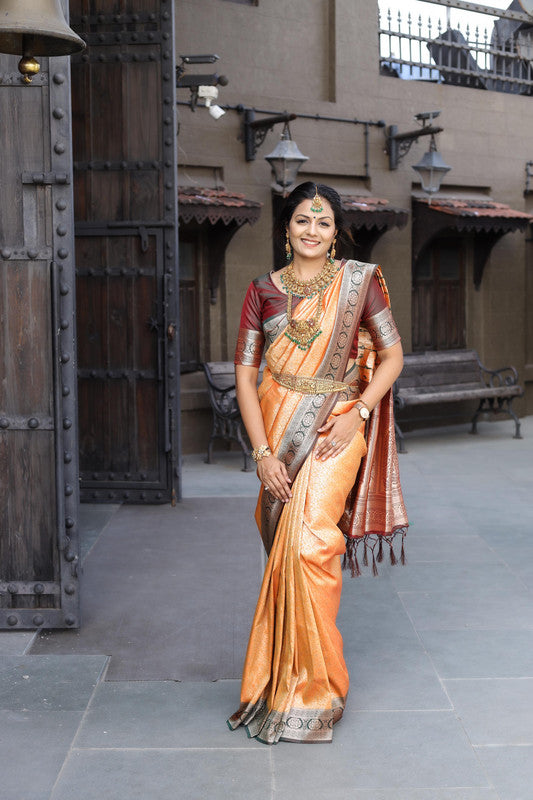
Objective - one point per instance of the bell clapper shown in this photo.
(28, 67)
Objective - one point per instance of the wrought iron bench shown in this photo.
(452, 376)
(227, 422)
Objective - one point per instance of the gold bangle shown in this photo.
(261, 452)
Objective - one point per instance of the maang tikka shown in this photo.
(316, 205)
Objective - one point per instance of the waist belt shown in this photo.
(309, 385)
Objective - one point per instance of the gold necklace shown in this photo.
(304, 332)
(308, 288)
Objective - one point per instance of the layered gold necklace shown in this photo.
(303, 332)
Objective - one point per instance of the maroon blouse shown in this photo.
(264, 301)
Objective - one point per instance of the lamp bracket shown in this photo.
(399, 144)
(255, 130)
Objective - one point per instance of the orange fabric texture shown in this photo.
(295, 680)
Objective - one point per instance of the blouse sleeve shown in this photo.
(377, 318)
(251, 339)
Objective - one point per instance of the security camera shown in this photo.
(216, 112)
(210, 93)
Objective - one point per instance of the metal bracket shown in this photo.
(46, 178)
(399, 144)
(255, 130)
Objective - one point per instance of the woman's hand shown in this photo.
(340, 432)
(273, 475)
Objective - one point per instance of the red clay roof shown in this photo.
(214, 205)
(372, 212)
(473, 207)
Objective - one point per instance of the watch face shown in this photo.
(364, 412)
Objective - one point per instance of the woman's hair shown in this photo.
(306, 191)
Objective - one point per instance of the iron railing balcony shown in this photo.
(495, 59)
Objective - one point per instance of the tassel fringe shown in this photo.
(372, 542)
(380, 551)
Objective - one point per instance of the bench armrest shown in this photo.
(216, 388)
(505, 376)
(397, 400)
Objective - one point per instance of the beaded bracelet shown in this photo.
(260, 452)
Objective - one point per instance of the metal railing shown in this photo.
(496, 59)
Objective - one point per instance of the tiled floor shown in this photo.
(440, 652)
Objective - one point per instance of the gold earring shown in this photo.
(288, 248)
(331, 256)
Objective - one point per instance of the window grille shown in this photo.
(492, 55)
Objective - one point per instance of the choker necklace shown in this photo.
(304, 332)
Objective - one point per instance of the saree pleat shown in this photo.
(295, 679)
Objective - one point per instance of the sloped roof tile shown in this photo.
(478, 213)
(363, 211)
(214, 205)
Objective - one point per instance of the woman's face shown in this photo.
(312, 233)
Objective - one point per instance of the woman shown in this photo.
(332, 353)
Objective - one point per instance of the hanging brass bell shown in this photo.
(35, 28)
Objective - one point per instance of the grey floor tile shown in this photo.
(223, 478)
(93, 518)
(382, 750)
(194, 614)
(165, 775)
(494, 711)
(460, 576)
(433, 516)
(425, 794)
(480, 653)
(57, 683)
(15, 642)
(393, 675)
(459, 549)
(510, 769)
(34, 745)
(163, 714)
(488, 608)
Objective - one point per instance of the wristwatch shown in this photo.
(363, 409)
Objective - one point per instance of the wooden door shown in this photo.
(438, 306)
(124, 142)
(38, 431)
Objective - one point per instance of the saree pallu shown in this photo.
(295, 680)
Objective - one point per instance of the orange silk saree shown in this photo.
(295, 680)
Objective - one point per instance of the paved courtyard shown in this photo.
(440, 652)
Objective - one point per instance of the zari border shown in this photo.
(249, 348)
(296, 725)
(313, 410)
(382, 329)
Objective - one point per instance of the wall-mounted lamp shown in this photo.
(432, 167)
(286, 159)
(201, 86)
(31, 28)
